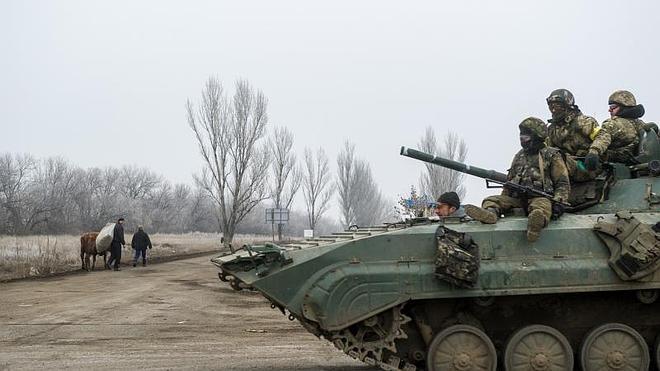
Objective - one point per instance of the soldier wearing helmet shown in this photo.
(536, 166)
(618, 139)
(571, 132)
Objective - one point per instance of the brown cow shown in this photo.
(88, 248)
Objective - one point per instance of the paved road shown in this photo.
(174, 315)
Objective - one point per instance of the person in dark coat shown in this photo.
(449, 205)
(140, 242)
(116, 244)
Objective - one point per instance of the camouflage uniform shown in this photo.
(543, 170)
(574, 136)
(618, 138)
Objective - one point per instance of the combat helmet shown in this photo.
(622, 98)
(536, 126)
(562, 96)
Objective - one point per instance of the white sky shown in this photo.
(105, 83)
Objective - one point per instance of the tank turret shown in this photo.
(618, 187)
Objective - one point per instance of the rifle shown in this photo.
(525, 191)
(558, 207)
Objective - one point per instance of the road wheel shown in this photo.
(614, 346)
(461, 348)
(235, 284)
(538, 348)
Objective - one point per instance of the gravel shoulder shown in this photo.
(174, 315)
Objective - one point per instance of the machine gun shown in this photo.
(491, 176)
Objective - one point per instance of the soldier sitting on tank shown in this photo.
(535, 166)
(618, 139)
(572, 133)
(449, 205)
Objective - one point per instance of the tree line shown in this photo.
(230, 131)
(52, 196)
(246, 168)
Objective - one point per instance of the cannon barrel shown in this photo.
(454, 165)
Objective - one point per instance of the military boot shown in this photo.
(487, 216)
(535, 223)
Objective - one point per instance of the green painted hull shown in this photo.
(339, 284)
(385, 280)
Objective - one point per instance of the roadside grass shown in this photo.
(37, 256)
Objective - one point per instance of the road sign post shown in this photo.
(277, 216)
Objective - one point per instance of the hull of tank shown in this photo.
(563, 281)
(364, 276)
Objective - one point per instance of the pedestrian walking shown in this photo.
(140, 242)
(116, 244)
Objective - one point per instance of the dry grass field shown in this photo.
(35, 256)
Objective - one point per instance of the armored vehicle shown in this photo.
(582, 297)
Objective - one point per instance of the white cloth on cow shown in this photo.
(105, 237)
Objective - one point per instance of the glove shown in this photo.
(591, 161)
(557, 210)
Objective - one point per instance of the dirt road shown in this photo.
(174, 315)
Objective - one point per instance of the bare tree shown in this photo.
(345, 180)
(87, 184)
(317, 187)
(178, 218)
(137, 183)
(160, 206)
(371, 207)
(97, 198)
(49, 195)
(286, 175)
(54, 196)
(15, 173)
(108, 196)
(201, 216)
(360, 200)
(36, 196)
(436, 180)
(235, 164)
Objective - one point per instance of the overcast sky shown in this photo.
(105, 83)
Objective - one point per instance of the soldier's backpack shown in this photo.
(457, 259)
(634, 246)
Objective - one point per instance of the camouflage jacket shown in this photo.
(574, 134)
(544, 170)
(618, 139)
